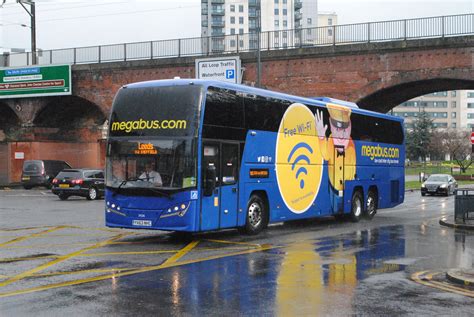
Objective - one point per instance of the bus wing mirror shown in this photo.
(209, 180)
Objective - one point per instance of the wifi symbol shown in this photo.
(299, 158)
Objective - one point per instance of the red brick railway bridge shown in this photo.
(377, 76)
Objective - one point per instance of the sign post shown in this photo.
(35, 81)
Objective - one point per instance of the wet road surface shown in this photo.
(57, 258)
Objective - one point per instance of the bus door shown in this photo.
(210, 203)
(229, 184)
(338, 177)
(219, 210)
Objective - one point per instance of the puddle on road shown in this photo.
(303, 277)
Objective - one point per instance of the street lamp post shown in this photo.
(259, 32)
(32, 14)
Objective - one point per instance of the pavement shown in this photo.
(461, 276)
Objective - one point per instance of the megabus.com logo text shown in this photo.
(380, 152)
(141, 124)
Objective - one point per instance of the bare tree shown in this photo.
(456, 143)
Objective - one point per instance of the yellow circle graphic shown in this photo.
(298, 158)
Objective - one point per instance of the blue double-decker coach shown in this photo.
(194, 155)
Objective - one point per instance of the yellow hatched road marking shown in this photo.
(8, 260)
(141, 270)
(84, 272)
(82, 234)
(232, 242)
(129, 253)
(37, 246)
(58, 260)
(33, 235)
(425, 279)
(27, 228)
(181, 253)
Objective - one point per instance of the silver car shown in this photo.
(443, 184)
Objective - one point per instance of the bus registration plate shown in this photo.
(145, 223)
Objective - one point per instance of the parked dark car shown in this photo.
(443, 184)
(41, 172)
(82, 182)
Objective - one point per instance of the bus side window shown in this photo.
(230, 153)
(211, 158)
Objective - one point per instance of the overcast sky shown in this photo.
(76, 23)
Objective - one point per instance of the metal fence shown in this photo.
(432, 27)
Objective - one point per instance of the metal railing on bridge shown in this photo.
(395, 30)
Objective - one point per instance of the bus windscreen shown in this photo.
(155, 111)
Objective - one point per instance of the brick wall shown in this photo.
(76, 154)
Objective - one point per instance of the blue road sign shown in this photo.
(230, 74)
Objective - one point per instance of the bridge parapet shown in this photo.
(335, 35)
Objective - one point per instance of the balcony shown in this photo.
(254, 3)
(218, 24)
(253, 14)
(217, 33)
(298, 4)
(218, 12)
(298, 16)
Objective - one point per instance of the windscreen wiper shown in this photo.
(161, 192)
(152, 189)
(125, 181)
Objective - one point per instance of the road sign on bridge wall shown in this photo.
(35, 81)
(224, 69)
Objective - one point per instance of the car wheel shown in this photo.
(257, 216)
(27, 187)
(357, 206)
(371, 206)
(92, 194)
(423, 194)
(63, 196)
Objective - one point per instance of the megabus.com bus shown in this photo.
(194, 155)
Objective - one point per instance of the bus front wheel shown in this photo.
(257, 215)
(356, 206)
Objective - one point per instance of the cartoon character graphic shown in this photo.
(338, 149)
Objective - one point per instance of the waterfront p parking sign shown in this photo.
(35, 81)
(224, 69)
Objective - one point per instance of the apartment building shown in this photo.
(233, 24)
(448, 109)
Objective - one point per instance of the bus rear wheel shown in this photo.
(356, 206)
(371, 206)
(257, 215)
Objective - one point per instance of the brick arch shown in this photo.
(9, 121)
(386, 93)
(69, 118)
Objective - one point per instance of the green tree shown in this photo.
(418, 140)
